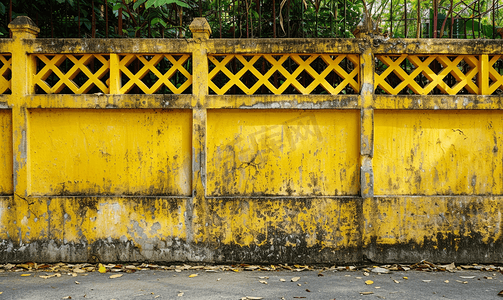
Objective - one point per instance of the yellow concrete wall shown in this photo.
(447, 228)
(109, 152)
(283, 153)
(325, 178)
(438, 152)
(5, 152)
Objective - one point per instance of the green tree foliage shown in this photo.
(255, 18)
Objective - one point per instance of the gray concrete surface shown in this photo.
(164, 284)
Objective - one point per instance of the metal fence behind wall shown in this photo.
(260, 19)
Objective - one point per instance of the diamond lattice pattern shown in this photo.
(5, 71)
(462, 69)
(276, 64)
(151, 66)
(61, 70)
(495, 74)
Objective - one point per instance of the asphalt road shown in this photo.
(163, 284)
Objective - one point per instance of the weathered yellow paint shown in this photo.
(78, 219)
(284, 46)
(156, 226)
(367, 123)
(437, 46)
(91, 152)
(110, 101)
(196, 217)
(438, 152)
(6, 187)
(322, 222)
(283, 152)
(441, 221)
(23, 68)
(284, 101)
(8, 226)
(438, 102)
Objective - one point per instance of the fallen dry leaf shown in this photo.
(295, 279)
(25, 275)
(218, 279)
(67, 297)
(76, 282)
(299, 284)
(366, 293)
(251, 298)
(307, 290)
(406, 278)
(369, 282)
(282, 280)
(192, 275)
(426, 280)
(396, 281)
(365, 274)
(380, 270)
(180, 294)
(263, 281)
(447, 281)
(467, 277)
(500, 293)
(102, 269)
(115, 276)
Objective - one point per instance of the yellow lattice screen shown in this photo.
(78, 73)
(158, 69)
(5, 73)
(450, 74)
(276, 73)
(496, 78)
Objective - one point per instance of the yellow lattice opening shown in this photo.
(153, 73)
(427, 74)
(5, 73)
(495, 74)
(284, 74)
(72, 74)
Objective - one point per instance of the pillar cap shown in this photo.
(24, 23)
(200, 26)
